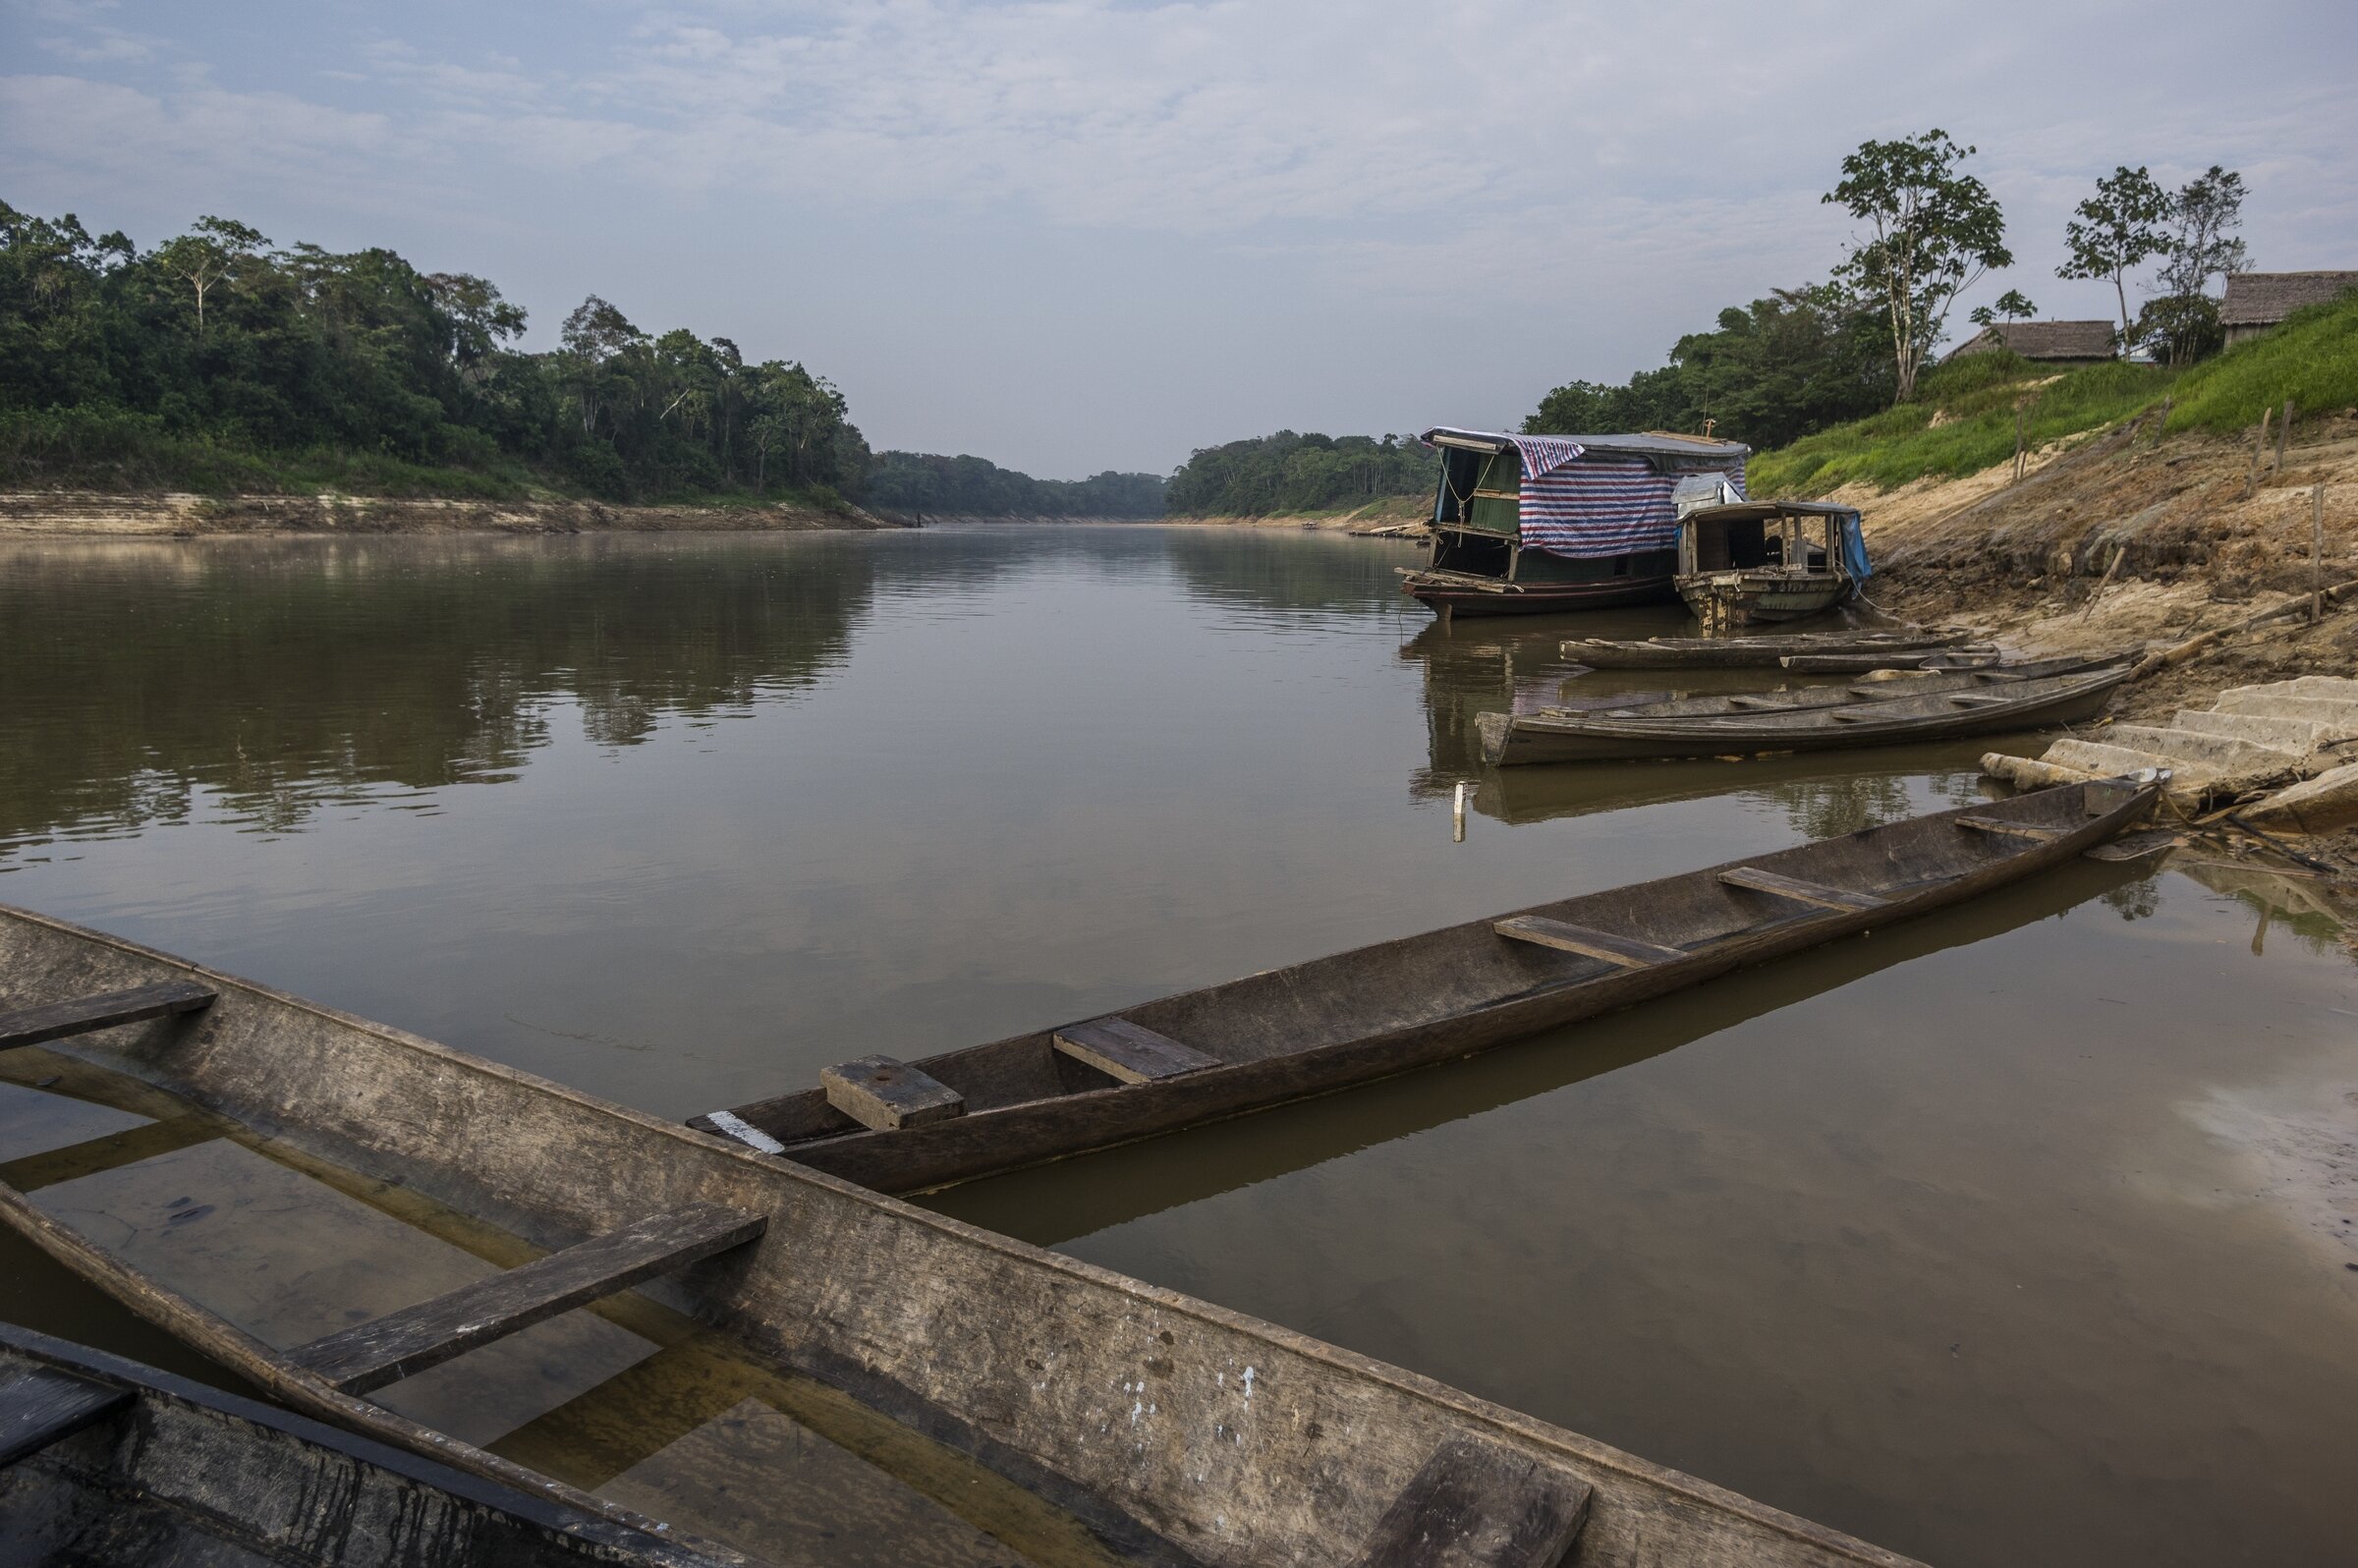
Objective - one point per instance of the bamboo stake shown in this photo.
(2283, 429)
(2317, 554)
(2017, 443)
(2196, 644)
(2118, 552)
(2251, 479)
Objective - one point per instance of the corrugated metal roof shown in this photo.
(1647, 443)
(2263, 299)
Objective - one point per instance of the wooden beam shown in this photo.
(1478, 1504)
(32, 1026)
(1627, 951)
(885, 1093)
(1801, 892)
(1129, 1052)
(1998, 824)
(40, 1405)
(403, 1343)
(31, 1172)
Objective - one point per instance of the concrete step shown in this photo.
(2301, 737)
(2339, 717)
(2334, 686)
(2321, 805)
(2092, 756)
(2221, 752)
(2266, 689)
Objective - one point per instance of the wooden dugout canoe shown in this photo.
(1510, 740)
(1741, 653)
(1374, 1011)
(1956, 659)
(1076, 1415)
(103, 1460)
(1718, 705)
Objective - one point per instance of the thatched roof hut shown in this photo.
(2063, 343)
(2258, 301)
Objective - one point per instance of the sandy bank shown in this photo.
(91, 511)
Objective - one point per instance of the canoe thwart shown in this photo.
(1998, 824)
(1129, 1052)
(401, 1344)
(31, 1026)
(1478, 1504)
(40, 1405)
(1801, 892)
(1627, 951)
(885, 1093)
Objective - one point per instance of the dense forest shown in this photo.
(1290, 473)
(915, 485)
(219, 364)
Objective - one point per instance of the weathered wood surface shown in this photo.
(1982, 823)
(1662, 705)
(38, 1405)
(401, 1344)
(1129, 1053)
(1478, 1505)
(1627, 951)
(1734, 652)
(882, 1091)
(1012, 1356)
(34, 1026)
(200, 1477)
(1763, 881)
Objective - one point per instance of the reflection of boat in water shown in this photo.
(797, 1333)
(105, 1461)
(1309, 1028)
(1536, 524)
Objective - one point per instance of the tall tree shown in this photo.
(1935, 231)
(2116, 231)
(213, 250)
(2011, 306)
(2201, 245)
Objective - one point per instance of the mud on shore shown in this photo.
(96, 512)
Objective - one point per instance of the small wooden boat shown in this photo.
(1526, 525)
(1748, 561)
(1323, 1024)
(750, 1351)
(106, 1461)
(1743, 653)
(1510, 740)
(1663, 704)
(1960, 658)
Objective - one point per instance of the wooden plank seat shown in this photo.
(1998, 824)
(1478, 1504)
(1131, 1052)
(885, 1093)
(404, 1343)
(40, 1405)
(31, 1025)
(1627, 951)
(1793, 887)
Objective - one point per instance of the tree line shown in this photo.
(1295, 473)
(120, 364)
(915, 485)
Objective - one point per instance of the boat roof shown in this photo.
(1644, 443)
(1761, 511)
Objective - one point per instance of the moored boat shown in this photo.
(1746, 560)
(1542, 523)
(1979, 657)
(1308, 1028)
(1715, 704)
(1906, 717)
(1764, 651)
(278, 1184)
(106, 1461)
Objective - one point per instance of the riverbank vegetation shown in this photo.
(217, 363)
(917, 486)
(1289, 473)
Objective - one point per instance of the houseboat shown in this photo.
(1746, 560)
(1526, 525)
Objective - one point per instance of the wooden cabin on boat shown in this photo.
(1532, 524)
(1746, 560)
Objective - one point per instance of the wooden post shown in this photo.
(2251, 479)
(2317, 554)
(2017, 443)
(2119, 552)
(2283, 429)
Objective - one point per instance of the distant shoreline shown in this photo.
(89, 514)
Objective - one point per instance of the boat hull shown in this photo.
(1768, 598)
(1761, 652)
(1551, 598)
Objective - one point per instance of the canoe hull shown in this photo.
(1744, 652)
(988, 1141)
(1015, 1357)
(1547, 598)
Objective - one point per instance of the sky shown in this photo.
(1071, 236)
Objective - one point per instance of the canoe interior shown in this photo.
(117, 1463)
(1719, 703)
(863, 1382)
(1316, 1026)
(1736, 652)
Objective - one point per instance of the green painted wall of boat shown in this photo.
(1501, 470)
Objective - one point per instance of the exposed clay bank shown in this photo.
(173, 514)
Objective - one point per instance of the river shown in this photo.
(2019, 1234)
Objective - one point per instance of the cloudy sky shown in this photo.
(1070, 235)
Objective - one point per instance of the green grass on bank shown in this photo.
(1962, 420)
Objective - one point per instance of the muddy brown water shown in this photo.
(2017, 1234)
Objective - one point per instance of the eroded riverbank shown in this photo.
(173, 514)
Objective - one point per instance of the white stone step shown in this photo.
(2193, 745)
(2339, 718)
(2092, 757)
(2301, 737)
(2266, 689)
(2334, 686)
